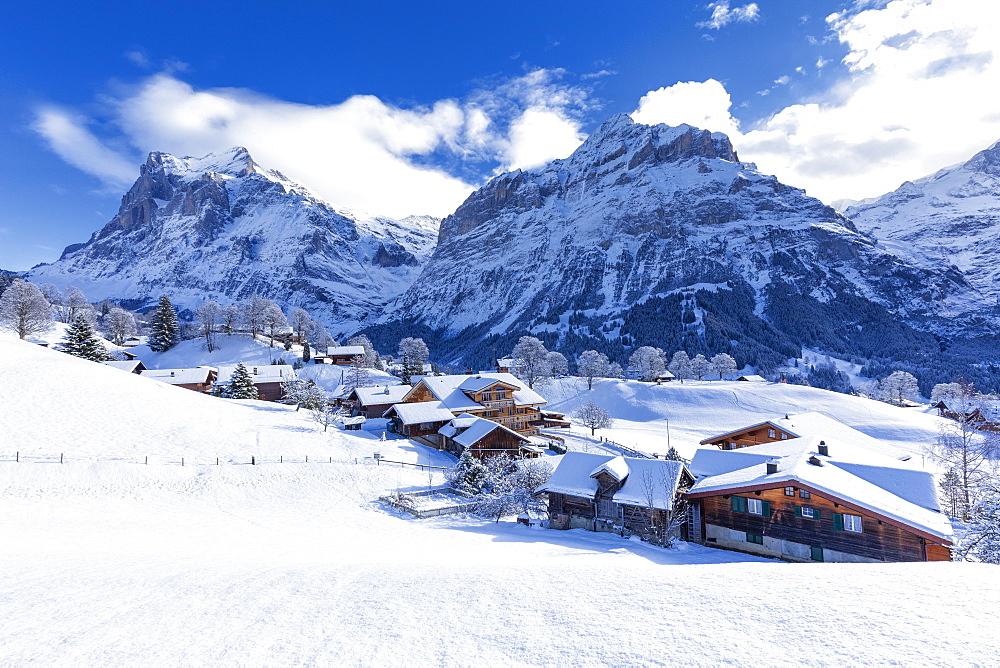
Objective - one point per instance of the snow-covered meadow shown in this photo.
(106, 560)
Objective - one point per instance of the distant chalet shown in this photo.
(340, 355)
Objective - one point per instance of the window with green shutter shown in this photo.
(807, 512)
(738, 504)
(755, 538)
(838, 521)
(816, 553)
(766, 510)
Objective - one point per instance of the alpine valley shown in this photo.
(645, 235)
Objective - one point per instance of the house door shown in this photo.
(607, 509)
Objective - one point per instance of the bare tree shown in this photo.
(357, 375)
(325, 414)
(76, 303)
(897, 388)
(414, 353)
(24, 309)
(531, 360)
(964, 451)
(252, 314)
(591, 365)
(699, 366)
(370, 357)
(648, 362)
(667, 511)
(558, 366)
(230, 318)
(300, 322)
(120, 325)
(723, 364)
(680, 365)
(593, 416)
(209, 314)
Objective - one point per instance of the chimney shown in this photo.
(772, 466)
(171, 374)
(815, 461)
(824, 449)
(255, 371)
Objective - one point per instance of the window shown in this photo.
(770, 433)
(789, 491)
(741, 504)
(844, 522)
(816, 553)
(805, 511)
(784, 437)
(755, 538)
(803, 494)
(755, 506)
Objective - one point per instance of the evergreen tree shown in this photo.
(241, 384)
(82, 342)
(306, 352)
(468, 475)
(165, 331)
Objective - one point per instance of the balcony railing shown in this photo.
(499, 403)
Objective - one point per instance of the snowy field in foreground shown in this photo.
(108, 562)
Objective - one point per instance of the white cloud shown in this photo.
(918, 95)
(362, 153)
(782, 80)
(723, 14)
(701, 104)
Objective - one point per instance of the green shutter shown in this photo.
(838, 521)
(798, 511)
(738, 504)
(815, 513)
(816, 553)
(742, 503)
(766, 508)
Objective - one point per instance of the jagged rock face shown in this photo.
(951, 218)
(638, 212)
(222, 227)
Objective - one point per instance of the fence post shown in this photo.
(17, 457)
(253, 461)
(307, 459)
(216, 461)
(60, 457)
(281, 459)
(331, 460)
(147, 459)
(182, 461)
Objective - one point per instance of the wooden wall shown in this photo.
(879, 540)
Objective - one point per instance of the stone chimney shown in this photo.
(772, 466)
(824, 449)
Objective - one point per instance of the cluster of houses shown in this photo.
(802, 488)
(267, 378)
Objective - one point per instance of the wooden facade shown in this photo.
(766, 432)
(783, 527)
(496, 403)
(495, 442)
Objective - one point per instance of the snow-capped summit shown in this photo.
(600, 248)
(223, 227)
(950, 218)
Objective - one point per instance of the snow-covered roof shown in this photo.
(817, 424)
(480, 382)
(615, 467)
(373, 396)
(261, 373)
(849, 473)
(508, 362)
(645, 479)
(179, 376)
(421, 411)
(354, 420)
(477, 429)
(753, 378)
(346, 350)
(124, 365)
(463, 421)
(448, 389)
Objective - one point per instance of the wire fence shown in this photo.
(18, 457)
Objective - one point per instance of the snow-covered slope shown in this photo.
(223, 227)
(644, 212)
(950, 218)
(108, 561)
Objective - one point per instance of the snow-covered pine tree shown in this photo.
(982, 539)
(82, 342)
(241, 384)
(165, 332)
(306, 352)
(468, 474)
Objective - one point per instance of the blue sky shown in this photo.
(401, 107)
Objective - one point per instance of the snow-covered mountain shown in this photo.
(611, 245)
(950, 218)
(223, 227)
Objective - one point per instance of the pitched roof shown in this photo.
(179, 376)
(753, 378)
(467, 430)
(346, 350)
(448, 390)
(817, 424)
(849, 473)
(421, 411)
(261, 373)
(373, 396)
(646, 480)
(124, 365)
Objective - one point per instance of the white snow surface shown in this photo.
(105, 560)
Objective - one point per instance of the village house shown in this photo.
(485, 438)
(267, 378)
(602, 492)
(373, 402)
(499, 397)
(753, 378)
(796, 426)
(817, 499)
(340, 355)
(420, 421)
(984, 415)
(199, 379)
(508, 365)
(131, 366)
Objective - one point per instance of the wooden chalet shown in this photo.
(499, 397)
(199, 379)
(353, 423)
(752, 378)
(131, 365)
(796, 426)
(373, 402)
(601, 492)
(267, 378)
(813, 499)
(485, 438)
(552, 419)
(420, 421)
(340, 355)
(976, 418)
(508, 365)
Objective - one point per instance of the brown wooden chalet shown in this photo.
(499, 397)
(975, 418)
(808, 499)
(199, 379)
(420, 421)
(764, 432)
(341, 355)
(130, 365)
(267, 378)
(484, 438)
(601, 492)
(373, 402)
